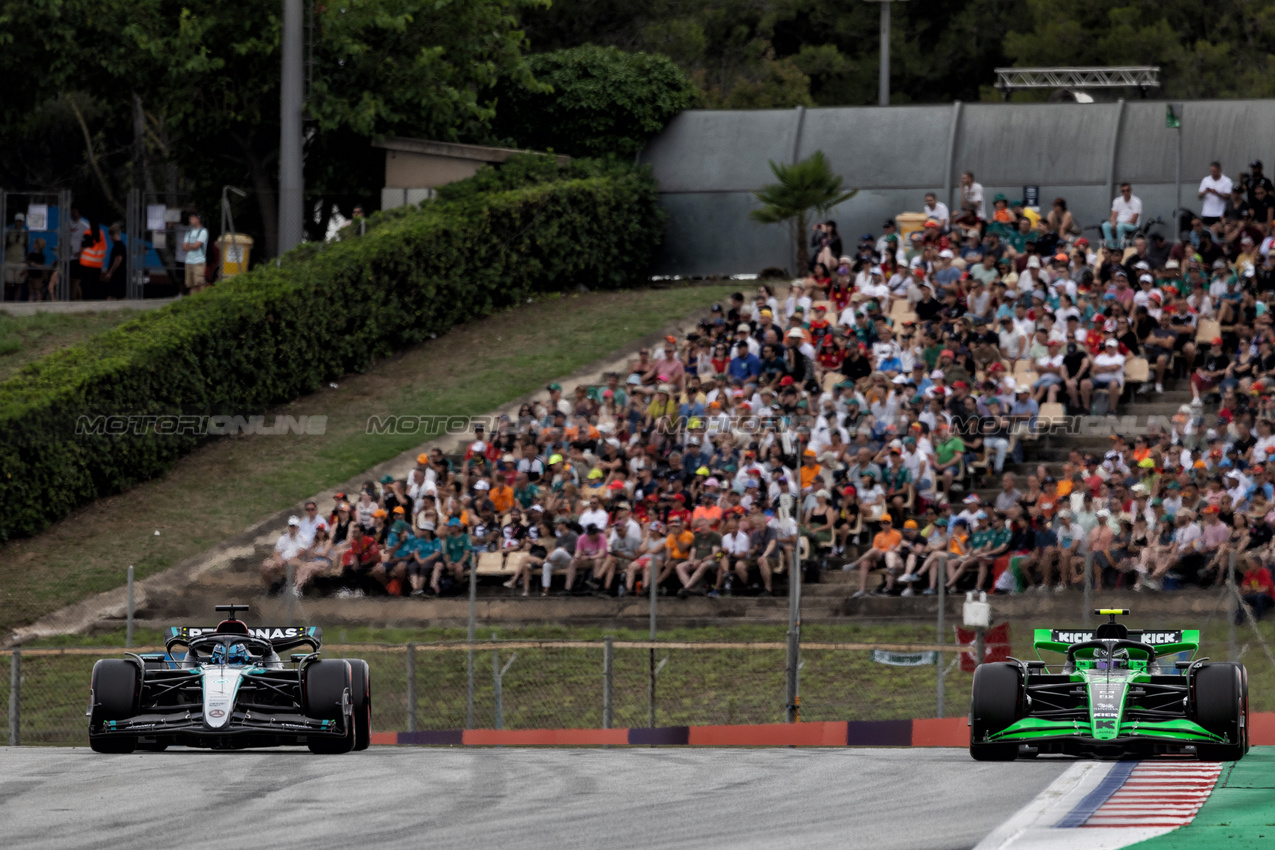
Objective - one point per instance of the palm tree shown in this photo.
(806, 187)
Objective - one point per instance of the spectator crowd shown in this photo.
(855, 415)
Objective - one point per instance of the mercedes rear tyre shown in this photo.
(1218, 697)
(994, 706)
(325, 685)
(361, 697)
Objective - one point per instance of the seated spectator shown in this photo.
(289, 549)
(884, 550)
(458, 556)
(1256, 589)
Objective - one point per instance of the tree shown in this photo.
(592, 101)
(782, 53)
(807, 187)
(1223, 50)
(203, 75)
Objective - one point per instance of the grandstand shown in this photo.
(1014, 405)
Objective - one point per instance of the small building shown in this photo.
(414, 168)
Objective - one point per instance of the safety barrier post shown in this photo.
(128, 633)
(469, 655)
(410, 672)
(650, 696)
(15, 698)
(608, 675)
(793, 662)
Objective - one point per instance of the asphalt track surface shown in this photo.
(512, 798)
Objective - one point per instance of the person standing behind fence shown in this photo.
(92, 258)
(79, 229)
(114, 277)
(195, 245)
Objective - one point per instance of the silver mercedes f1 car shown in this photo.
(230, 689)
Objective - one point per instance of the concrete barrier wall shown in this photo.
(708, 162)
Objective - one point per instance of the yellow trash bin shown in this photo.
(909, 223)
(235, 248)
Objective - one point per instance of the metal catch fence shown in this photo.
(551, 684)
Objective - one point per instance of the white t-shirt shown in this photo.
(735, 544)
(1055, 361)
(309, 525)
(289, 547)
(939, 213)
(1126, 210)
(1105, 359)
(974, 195)
(1213, 206)
(598, 518)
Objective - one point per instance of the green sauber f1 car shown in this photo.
(1111, 697)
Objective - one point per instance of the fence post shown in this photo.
(793, 700)
(942, 668)
(410, 664)
(128, 633)
(607, 680)
(289, 591)
(495, 678)
(469, 656)
(15, 698)
(650, 695)
(1233, 610)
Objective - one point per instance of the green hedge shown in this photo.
(280, 332)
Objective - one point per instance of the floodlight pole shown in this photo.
(883, 84)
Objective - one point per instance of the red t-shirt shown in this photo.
(1258, 581)
(362, 549)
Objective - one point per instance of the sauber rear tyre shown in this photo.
(361, 696)
(1218, 697)
(116, 687)
(994, 705)
(325, 685)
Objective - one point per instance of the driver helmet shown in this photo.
(1118, 659)
(238, 655)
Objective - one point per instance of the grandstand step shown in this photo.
(454, 611)
(1063, 609)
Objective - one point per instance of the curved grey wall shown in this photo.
(708, 163)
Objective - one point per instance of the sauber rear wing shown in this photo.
(1163, 641)
(282, 638)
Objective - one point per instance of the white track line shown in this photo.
(1156, 799)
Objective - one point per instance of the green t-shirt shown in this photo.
(1000, 536)
(528, 496)
(949, 449)
(457, 547)
(897, 479)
